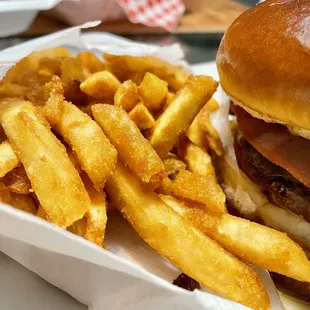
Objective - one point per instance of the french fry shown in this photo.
(126, 96)
(133, 149)
(200, 188)
(196, 135)
(92, 226)
(254, 243)
(12, 90)
(180, 113)
(123, 66)
(95, 153)
(90, 62)
(170, 97)
(55, 181)
(8, 158)
(211, 133)
(42, 214)
(185, 246)
(96, 216)
(17, 181)
(101, 85)
(173, 165)
(153, 90)
(72, 75)
(79, 227)
(23, 202)
(142, 117)
(197, 160)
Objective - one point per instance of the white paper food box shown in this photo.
(130, 277)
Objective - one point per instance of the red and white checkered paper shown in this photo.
(154, 13)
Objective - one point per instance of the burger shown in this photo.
(264, 66)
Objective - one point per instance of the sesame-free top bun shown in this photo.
(264, 62)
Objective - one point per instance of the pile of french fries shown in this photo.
(79, 134)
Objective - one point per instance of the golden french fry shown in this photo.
(95, 153)
(200, 188)
(211, 133)
(11, 90)
(79, 227)
(133, 149)
(173, 165)
(90, 62)
(197, 160)
(17, 181)
(92, 226)
(196, 135)
(96, 216)
(180, 113)
(153, 90)
(101, 85)
(8, 158)
(185, 246)
(72, 75)
(41, 213)
(142, 117)
(170, 97)
(123, 66)
(254, 243)
(55, 181)
(126, 96)
(23, 202)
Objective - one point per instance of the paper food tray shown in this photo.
(131, 276)
(17, 16)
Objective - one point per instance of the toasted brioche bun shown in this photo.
(264, 62)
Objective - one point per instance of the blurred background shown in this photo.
(198, 29)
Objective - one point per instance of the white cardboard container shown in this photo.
(132, 276)
(17, 16)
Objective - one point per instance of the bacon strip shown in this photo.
(277, 144)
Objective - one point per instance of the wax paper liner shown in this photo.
(132, 275)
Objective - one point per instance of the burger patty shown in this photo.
(281, 188)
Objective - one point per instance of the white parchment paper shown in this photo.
(132, 275)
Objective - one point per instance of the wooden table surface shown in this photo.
(206, 16)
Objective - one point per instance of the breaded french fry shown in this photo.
(173, 165)
(180, 113)
(124, 66)
(72, 75)
(41, 213)
(210, 132)
(101, 85)
(142, 117)
(17, 181)
(196, 135)
(169, 98)
(92, 226)
(254, 243)
(133, 149)
(153, 90)
(55, 181)
(200, 188)
(23, 202)
(185, 246)
(197, 160)
(8, 158)
(79, 227)
(90, 62)
(127, 96)
(96, 216)
(95, 153)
